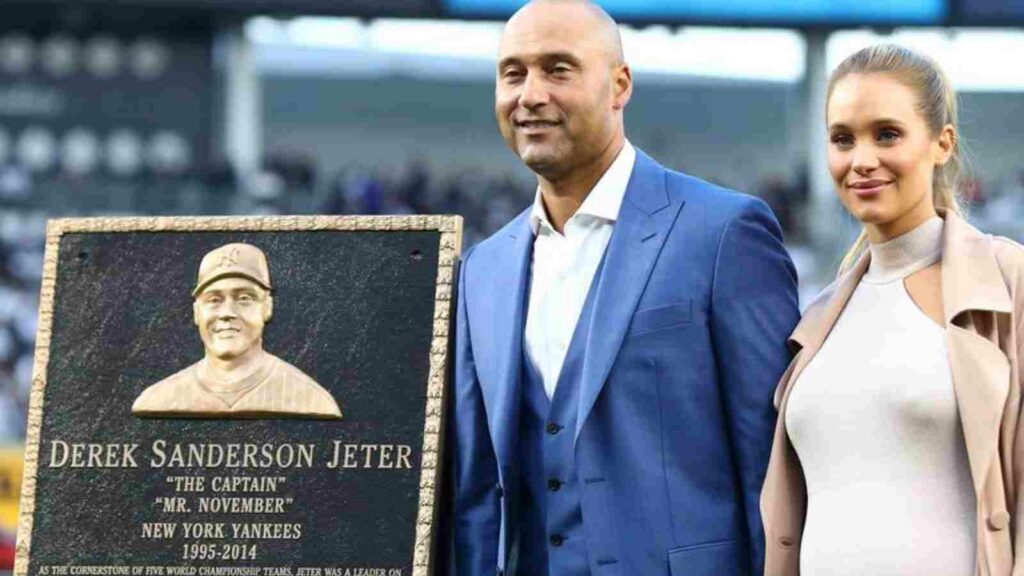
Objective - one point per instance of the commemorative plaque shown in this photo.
(257, 396)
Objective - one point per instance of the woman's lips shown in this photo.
(866, 190)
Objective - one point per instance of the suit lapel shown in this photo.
(643, 223)
(502, 391)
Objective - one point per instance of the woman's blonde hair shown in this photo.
(937, 103)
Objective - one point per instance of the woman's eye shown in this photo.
(842, 140)
(888, 135)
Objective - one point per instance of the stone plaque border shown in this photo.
(450, 228)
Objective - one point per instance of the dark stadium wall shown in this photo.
(731, 133)
(992, 124)
(737, 134)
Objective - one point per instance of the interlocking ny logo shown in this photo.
(228, 258)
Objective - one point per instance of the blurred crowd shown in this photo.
(291, 184)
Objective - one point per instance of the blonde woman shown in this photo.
(897, 449)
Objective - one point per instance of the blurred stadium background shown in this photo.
(161, 107)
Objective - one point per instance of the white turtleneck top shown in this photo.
(873, 419)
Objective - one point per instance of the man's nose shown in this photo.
(534, 92)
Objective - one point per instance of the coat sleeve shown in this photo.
(477, 513)
(754, 309)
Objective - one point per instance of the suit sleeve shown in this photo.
(753, 311)
(477, 514)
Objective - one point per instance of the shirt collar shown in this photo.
(604, 200)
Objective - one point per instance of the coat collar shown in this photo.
(822, 313)
(971, 280)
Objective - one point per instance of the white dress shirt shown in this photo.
(563, 267)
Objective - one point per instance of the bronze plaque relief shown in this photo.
(238, 397)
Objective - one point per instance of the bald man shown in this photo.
(618, 343)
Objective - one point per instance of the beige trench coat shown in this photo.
(983, 299)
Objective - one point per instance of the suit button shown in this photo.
(999, 520)
(553, 428)
(557, 539)
(554, 484)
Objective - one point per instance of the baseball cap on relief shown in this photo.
(233, 260)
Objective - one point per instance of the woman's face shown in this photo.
(882, 155)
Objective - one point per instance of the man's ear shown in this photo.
(622, 86)
(268, 308)
(195, 312)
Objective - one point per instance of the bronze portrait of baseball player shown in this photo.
(236, 378)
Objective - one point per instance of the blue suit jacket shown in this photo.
(691, 315)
